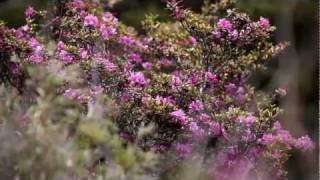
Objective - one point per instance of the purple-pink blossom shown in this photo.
(216, 35)
(134, 58)
(277, 126)
(264, 22)
(107, 31)
(180, 116)
(215, 128)
(60, 45)
(109, 18)
(159, 100)
(147, 66)
(35, 45)
(137, 79)
(240, 96)
(247, 120)
(254, 152)
(234, 35)
(91, 20)
(109, 66)
(193, 40)
(204, 118)
(267, 139)
(225, 24)
(36, 58)
(125, 97)
(285, 137)
(71, 93)
(196, 106)
(230, 88)
(197, 132)
(127, 67)
(194, 79)
(77, 4)
(83, 53)
(19, 34)
(175, 83)
(304, 143)
(125, 40)
(29, 12)
(25, 28)
(65, 56)
(211, 78)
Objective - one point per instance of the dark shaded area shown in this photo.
(295, 70)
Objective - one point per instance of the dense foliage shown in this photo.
(86, 97)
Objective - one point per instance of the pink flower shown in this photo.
(83, 53)
(19, 34)
(107, 32)
(193, 79)
(35, 45)
(147, 66)
(304, 143)
(240, 96)
(91, 20)
(134, 57)
(216, 35)
(175, 83)
(267, 139)
(196, 106)
(212, 78)
(277, 126)
(225, 24)
(164, 101)
(247, 120)
(193, 41)
(127, 67)
(196, 130)
(215, 128)
(180, 116)
(36, 58)
(109, 18)
(60, 45)
(230, 88)
(234, 35)
(25, 28)
(65, 56)
(137, 79)
(254, 152)
(264, 22)
(285, 137)
(125, 97)
(71, 93)
(164, 63)
(77, 4)
(125, 40)
(109, 66)
(29, 12)
(204, 118)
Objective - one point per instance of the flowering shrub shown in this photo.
(178, 91)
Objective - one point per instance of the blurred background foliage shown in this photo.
(296, 70)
